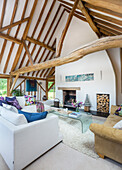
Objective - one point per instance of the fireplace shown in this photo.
(69, 96)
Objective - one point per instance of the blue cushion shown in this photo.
(33, 116)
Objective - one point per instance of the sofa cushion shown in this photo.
(10, 107)
(2, 101)
(33, 116)
(13, 101)
(21, 100)
(118, 125)
(112, 120)
(12, 117)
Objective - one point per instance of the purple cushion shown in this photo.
(2, 101)
(13, 101)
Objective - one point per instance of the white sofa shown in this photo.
(20, 145)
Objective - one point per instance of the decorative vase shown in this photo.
(77, 109)
(39, 107)
(87, 104)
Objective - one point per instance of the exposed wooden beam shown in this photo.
(88, 18)
(108, 29)
(28, 53)
(24, 36)
(41, 87)
(12, 45)
(104, 23)
(9, 38)
(51, 72)
(3, 13)
(32, 40)
(98, 45)
(14, 24)
(47, 89)
(7, 76)
(100, 9)
(76, 15)
(115, 6)
(9, 30)
(121, 66)
(106, 18)
(8, 87)
(60, 44)
(19, 84)
(51, 86)
(106, 32)
(15, 80)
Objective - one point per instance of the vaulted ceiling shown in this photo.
(28, 28)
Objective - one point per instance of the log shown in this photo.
(98, 45)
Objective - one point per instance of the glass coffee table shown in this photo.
(85, 118)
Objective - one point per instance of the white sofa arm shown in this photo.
(34, 139)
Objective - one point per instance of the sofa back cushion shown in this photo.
(12, 117)
(10, 107)
(33, 116)
(21, 100)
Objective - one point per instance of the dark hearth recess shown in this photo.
(69, 96)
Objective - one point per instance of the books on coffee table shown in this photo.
(74, 114)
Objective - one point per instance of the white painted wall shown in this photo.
(80, 34)
(114, 54)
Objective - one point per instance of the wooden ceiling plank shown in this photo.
(9, 30)
(9, 38)
(24, 36)
(28, 53)
(100, 9)
(76, 15)
(106, 32)
(116, 28)
(3, 13)
(108, 29)
(98, 45)
(60, 44)
(88, 18)
(51, 72)
(12, 46)
(106, 18)
(115, 6)
(32, 40)
(35, 28)
(14, 24)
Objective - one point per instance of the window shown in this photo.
(51, 93)
(3, 87)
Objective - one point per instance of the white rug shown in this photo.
(73, 136)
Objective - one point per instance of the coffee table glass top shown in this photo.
(84, 118)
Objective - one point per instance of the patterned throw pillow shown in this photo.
(13, 101)
(29, 100)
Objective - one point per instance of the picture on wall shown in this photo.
(82, 77)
